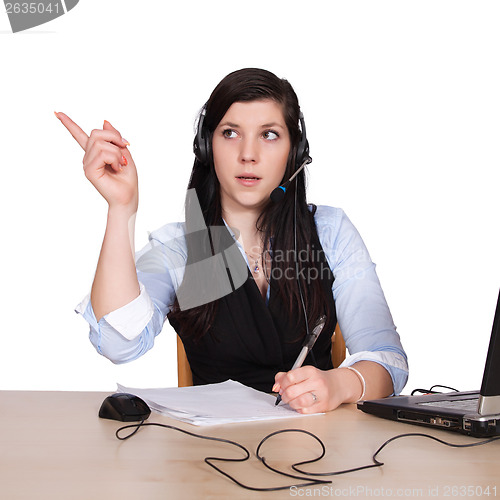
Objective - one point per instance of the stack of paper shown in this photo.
(213, 404)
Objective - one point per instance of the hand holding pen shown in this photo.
(306, 348)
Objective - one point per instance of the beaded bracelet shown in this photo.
(362, 379)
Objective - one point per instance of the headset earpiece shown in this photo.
(201, 145)
(303, 147)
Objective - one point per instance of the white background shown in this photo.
(402, 107)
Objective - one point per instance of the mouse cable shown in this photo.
(311, 477)
(209, 460)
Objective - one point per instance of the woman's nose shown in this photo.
(249, 151)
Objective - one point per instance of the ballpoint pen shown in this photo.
(306, 347)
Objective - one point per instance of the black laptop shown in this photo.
(476, 413)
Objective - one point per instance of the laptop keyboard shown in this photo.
(460, 404)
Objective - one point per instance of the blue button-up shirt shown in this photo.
(362, 312)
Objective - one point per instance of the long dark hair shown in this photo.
(277, 219)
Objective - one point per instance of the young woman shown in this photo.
(301, 261)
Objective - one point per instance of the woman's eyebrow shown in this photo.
(264, 125)
(229, 124)
(273, 124)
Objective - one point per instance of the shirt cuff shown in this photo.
(131, 319)
(394, 363)
(128, 320)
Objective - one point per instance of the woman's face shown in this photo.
(250, 148)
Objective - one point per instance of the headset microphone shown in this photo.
(279, 193)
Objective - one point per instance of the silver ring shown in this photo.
(315, 398)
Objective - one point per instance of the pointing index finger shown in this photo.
(79, 135)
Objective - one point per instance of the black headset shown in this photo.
(202, 146)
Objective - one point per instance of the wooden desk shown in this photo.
(54, 446)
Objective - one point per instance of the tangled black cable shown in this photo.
(377, 463)
(210, 460)
(432, 391)
(310, 478)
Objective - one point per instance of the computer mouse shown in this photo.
(124, 407)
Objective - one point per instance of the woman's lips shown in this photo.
(248, 180)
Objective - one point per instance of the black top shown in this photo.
(250, 341)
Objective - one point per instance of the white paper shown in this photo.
(213, 404)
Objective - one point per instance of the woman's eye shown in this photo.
(270, 135)
(229, 133)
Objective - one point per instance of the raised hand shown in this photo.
(107, 163)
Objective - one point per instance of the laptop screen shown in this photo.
(491, 377)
